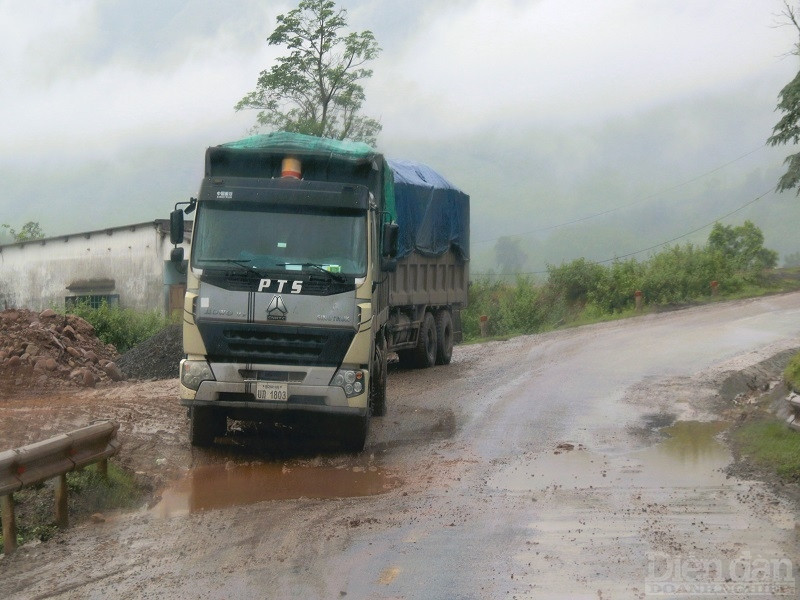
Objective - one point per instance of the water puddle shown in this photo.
(690, 456)
(221, 486)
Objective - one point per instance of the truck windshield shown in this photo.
(269, 237)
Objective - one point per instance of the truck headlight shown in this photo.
(195, 372)
(351, 381)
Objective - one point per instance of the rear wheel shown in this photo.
(425, 353)
(444, 337)
(205, 424)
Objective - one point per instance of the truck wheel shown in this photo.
(444, 337)
(205, 424)
(377, 381)
(425, 352)
(354, 433)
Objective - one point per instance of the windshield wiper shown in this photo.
(335, 276)
(239, 262)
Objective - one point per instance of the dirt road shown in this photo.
(577, 464)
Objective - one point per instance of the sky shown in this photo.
(579, 128)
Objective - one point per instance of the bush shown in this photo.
(733, 256)
(122, 327)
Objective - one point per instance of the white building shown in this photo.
(126, 265)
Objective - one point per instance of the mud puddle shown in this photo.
(690, 456)
(220, 486)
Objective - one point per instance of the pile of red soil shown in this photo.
(51, 350)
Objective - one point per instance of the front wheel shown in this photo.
(377, 381)
(353, 433)
(205, 424)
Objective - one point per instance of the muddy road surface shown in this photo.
(585, 463)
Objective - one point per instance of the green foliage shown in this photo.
(573, 281)
(792, 373)
(581, 290)
(30, 231)
(742, 247)
(315, 89)
(787, 130)
(123, 327)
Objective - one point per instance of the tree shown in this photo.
(743, 246)
(315, 89)
(30, 231)
(509, 255)
(787, 130)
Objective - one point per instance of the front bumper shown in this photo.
(308, 390)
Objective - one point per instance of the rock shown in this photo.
(113, 371)
(87, 379)
(63, 350)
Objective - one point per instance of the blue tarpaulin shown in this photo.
(432, 214)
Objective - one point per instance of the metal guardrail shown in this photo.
(54, 457)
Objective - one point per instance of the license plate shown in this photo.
(267, 390)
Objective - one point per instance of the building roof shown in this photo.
(162, 225)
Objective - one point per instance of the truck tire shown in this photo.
(444, 337)
(377, 381)
(424, 355)
(354, 433)
(205, 424)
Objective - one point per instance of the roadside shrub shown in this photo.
(575, 280)
(122, 327)
(521, 308)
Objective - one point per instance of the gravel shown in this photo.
(157, 357)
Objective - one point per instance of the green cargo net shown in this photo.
(344, 150)
(298, 142)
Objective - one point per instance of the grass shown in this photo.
(89, 493)
(792, 373)
(770, 443)
(564, 316)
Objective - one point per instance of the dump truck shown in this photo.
(311, 261)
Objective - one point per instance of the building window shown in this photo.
(94, 301)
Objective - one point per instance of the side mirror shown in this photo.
(388, 265)
(176, 255)
(390, 240)
(176, 226)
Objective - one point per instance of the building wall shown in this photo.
(124, 261)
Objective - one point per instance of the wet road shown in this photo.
(577, 464)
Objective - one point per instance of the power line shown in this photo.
(639, 201)
(675, 239)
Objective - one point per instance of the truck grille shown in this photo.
(275, 345)
(244, 281)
